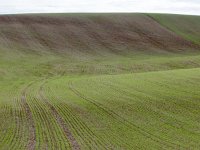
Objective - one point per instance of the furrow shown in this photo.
(32, 137)
(122, 120)
(85, 135)
(74, 144)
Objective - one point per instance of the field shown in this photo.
(99, 81)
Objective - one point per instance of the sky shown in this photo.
(60, 6)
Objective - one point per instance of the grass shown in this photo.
(157, 108)
(185, 26)
(138, 100)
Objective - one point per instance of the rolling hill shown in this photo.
(99, 81)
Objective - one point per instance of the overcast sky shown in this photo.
(156, 6)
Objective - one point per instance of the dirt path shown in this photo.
(32, 137)
(74, 144)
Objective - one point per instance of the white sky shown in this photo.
(45, 6)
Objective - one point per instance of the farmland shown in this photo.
(99, 81)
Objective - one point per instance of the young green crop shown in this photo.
(101, 100)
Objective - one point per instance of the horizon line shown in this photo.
(114, 12)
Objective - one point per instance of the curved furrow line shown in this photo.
(14, 140)
(67, 121)
(10, 138)
(118, 142)
(6, 135)
(123, 120)
(32, 137)
(24, 135)
(43, 122)
(74, 144)
(40, 131)
(77, 123)
(60, 109)
(3, 126)
(179, 90)
(20, 134)
(109, 113)
(47, 129)
(87, 137)
(175, 86)
(180, 106)
(157, 113)
(161, 115)
(15, 144)
(79, 128)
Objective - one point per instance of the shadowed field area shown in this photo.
(99, 81)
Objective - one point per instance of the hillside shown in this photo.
(90, 33)
(99, 81)
(185, 26)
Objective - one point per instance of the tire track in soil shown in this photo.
(115, 88)
(89, 133)
(128, 123)
(74, 144)
(32, 137)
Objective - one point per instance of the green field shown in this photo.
(185, 26)
(99, 93)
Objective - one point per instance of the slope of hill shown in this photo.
(93, 34)
(99, 81)
(185, 26)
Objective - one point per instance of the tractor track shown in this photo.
(142, 131)
(92, 141)
(32, 137)
(74, 144)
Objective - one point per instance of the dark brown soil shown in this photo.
(32, 133)
(116, 33)
(74, 144)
